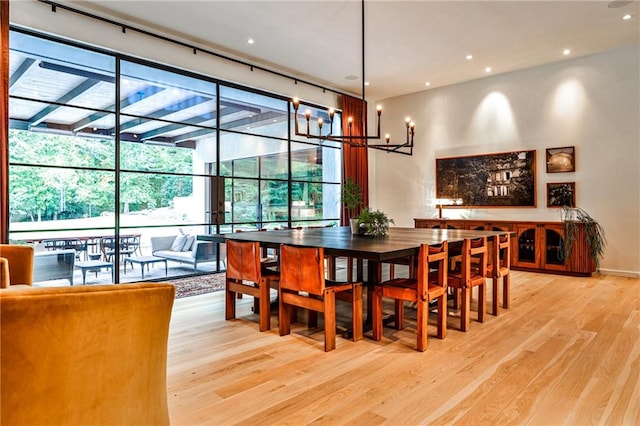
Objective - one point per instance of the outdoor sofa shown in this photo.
(184, 249)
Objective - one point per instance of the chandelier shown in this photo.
(362, 140)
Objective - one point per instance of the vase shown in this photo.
(355, 227)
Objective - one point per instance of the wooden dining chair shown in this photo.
(470, 272)
(499, 267)
(267, 260)
(303, 285)
(245, 275)
(429, 284)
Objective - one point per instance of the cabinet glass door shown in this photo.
(527, 246)
(553, 254)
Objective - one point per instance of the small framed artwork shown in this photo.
(561, 194)
(561, 160)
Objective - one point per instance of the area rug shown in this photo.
(201, 284)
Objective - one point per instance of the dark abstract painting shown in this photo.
(506, 179)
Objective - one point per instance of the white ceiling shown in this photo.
(407, 42)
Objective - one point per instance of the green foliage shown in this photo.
(71, 189)
(351, 195)
(594, 233)
(374, 223)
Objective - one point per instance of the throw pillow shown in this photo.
(178, 243)
(188, 244)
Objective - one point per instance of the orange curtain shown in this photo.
(355, 160)
(4, 121)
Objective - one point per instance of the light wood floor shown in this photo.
(567, 352)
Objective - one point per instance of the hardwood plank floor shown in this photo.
(566, 352)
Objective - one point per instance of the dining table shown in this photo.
(399, 244)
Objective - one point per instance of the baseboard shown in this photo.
(619, 273)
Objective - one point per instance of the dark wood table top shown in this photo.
(338, 241)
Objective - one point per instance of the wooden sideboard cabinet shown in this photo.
(535, 246)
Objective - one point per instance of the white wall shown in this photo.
(591, 103)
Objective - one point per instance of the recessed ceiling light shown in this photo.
(469, 57)
(627, 17)
(487, 69)
(366, 83)
(427, 84)
(351, 77)
(250, 41)
(565, 52)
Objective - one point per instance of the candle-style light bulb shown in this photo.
(296, 103)
(407, 121)
(320, 121)
(350, 124)
(307, 115)
(387, 137)
(379, 110)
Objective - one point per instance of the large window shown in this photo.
(120, 156)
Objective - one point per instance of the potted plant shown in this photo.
(352, 200)
(594, 233)
(374, 223)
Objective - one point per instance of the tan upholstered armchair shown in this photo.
(16, 265)
(85, 355)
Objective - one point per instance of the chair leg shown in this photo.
(442, 316)
(421, 326)
(329, 320)
(465, 309)
(265, 306)
(356, 312)
(456, 298)
(482, 299)
(312, 319)
(496, 296)
(399, 312)
(284, 317)
(230, 305)
(376, 313)
(506, 291)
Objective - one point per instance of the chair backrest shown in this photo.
(107, 244)
(302, 269)
(130, 242)
(474, 258)
(243, 260)
(501, 256)
(428, 256)
(17, 268)
(85, 354)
